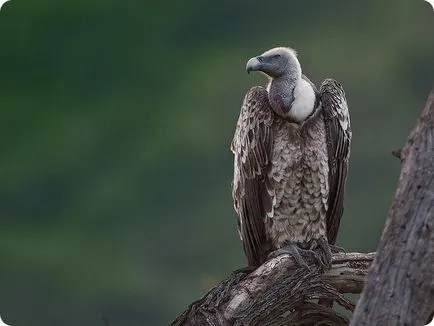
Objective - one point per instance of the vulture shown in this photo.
(291, 149)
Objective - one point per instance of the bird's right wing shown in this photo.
(252, 146)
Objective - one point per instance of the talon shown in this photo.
(319, 249)
(327, 254)
(336, 249)
(295, 252)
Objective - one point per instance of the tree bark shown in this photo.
(281, 293)
(400, 288)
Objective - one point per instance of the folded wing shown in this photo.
(252, 146)
(338, 129)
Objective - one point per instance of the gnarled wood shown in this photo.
(400, 289)
(281, 293)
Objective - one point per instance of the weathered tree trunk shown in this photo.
(400, 288)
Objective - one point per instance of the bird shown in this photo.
(291, 150)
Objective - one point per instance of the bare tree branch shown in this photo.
(281, 293)
(397, 153)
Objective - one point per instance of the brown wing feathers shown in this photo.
(252, 145)
(338, 128)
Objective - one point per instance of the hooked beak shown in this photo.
(254, 64)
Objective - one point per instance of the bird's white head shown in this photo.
(280, 61)
(290, 96)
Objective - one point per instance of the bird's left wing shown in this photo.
(338, 129)
(252, 146)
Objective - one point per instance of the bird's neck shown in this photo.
(281, 94)
(291, 97)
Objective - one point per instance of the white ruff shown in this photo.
(304, 101)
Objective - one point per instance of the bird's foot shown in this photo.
(296, 253)
(325, 253)
(336, 249)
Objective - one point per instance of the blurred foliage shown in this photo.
(116, 119)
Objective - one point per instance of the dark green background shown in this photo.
(116, 119)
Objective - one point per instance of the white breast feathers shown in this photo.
(304, 101)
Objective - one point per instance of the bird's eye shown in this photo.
(276, 56)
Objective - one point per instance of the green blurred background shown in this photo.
(116, 119)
